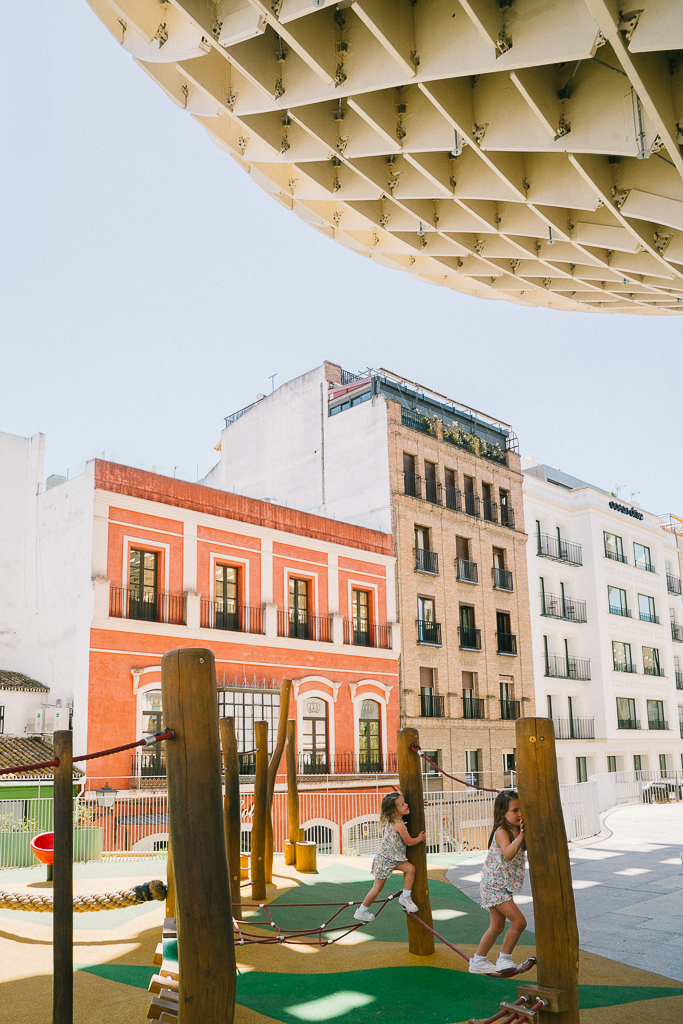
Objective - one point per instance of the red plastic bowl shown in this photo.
(44, 847)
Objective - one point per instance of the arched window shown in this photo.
(152, 760)
(369, 737)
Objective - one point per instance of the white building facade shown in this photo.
(606, 614)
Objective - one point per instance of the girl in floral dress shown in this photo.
(502, 875)
(391, 856)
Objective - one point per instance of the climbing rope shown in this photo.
(522, 969)
(462, 782)
(284, 935)
(158, 737)
(89, 903)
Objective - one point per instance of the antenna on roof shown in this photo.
(272, 382)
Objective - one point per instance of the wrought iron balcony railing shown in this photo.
(149, 607)
(574, 728)
(426, 561)
(432, 706)
(472, 504)
(510, 710)
(240, 619)
(466, 572)
(502, 579)
(453, 499)
(619, 609)
(428, 632)
(412, 485)
(367, 634)
(677, 632)
(371, 762)
(470, 638)
(568, 668)
(433, 491)
(473, 707)
(628, 723)
(621, 665)
(558, 549)
(657, 724)
(507, 643)
(641, 564)
(673, 584)
(416, 421)
(649, 617)
(490, 510)
(679, 680)
(304, 627)
(507, 516)
(616, 556)
(653, 670)
(556, 606)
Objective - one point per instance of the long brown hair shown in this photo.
(389, 814)
(500, 809)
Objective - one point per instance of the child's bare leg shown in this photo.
(517, 924)
(374, 892)
(496, 925)
(408, 870)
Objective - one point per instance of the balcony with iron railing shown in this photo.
(646, 566)
(365, 763)
(416, 421)
(567, 668)
(465, 571)
(367, 634)
(433, 491)
(470, 638)
(653, 670)
(428, 632)
(574, 728)
(648, 617)
(558, 549)
(412, 485)
(304, 627)
(620, 609)
(507, 643)
(147, 607)
(242, 618)
(149, 764)
(432, 706)
(507, 516)
(622, 665)
(628, 723)
(510, 710)
(490, 510)
(473, 707)
(453, 499)
(472, 504)
(679, 679)
(426, 561)
(673, 583)
(658, 724)
(677, 632)
(616, 556)
(502, 579)
(557, 606)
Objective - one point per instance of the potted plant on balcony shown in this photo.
(88, 837)
(15, 841)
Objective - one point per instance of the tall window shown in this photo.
(298, 608)
(651, 665)
(472, 767)
(369, 744)
(428, 627)
(152, 759)
(360, 600)
(226, 596)
(663, 771)
(611, 763)
(426, 692)
(617, 601)
(637, 763)
(142, 581)
(641, 555)
(314, 740)
(614, 548)
(621, 657)
(655, 714)
(431, 489)
(247, 706)
(581, 773)
(646, 608)
(452, 498)
(411, 481)
(489, 506)
(626, 713)
(471, 501)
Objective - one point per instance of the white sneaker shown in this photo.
(363, 914)
(505, 963)
(407, 904)
(481, 967)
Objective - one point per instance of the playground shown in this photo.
(291, 951)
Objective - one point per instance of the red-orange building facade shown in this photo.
(273, 592)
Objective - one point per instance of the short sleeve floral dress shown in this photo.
(500, 877)
(390, 853)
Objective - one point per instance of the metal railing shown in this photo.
(647, 566)
(149, 764)
(367, 634)
(244, 619)
(677, 632)
(472, 503)
(510, 710)
(657, 723)
(473, 707)
(616, 556)
(470, 638)
(502, 579)
(304, 627)
(558, 549)
(507, 516)
(574, 728)
(679, 680)
(556, 606)
(490, 510)
(453, 498)
(155, 607)
(648, 617)
(567, 668)
(426, 561)
(628, 723)
(412, 484)
(618, 609)
(432, 706)
(416, 421)
(507, 643)
(623, 666)
(653, 670)
(466, 571)
(366, 762)
(428, 632)
(433, 491)
(673, 583)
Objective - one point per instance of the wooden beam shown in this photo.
(232, 817)
(63, 888)
(258, 828)
(420, 941)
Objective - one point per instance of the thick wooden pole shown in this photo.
(170, 884)
(258, 827)
(420, 941)
(63, 888)
(273, 768)
(232, 816)
(292, 794)
(557, 936)
(206, 947)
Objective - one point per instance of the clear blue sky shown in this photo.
(148, 289)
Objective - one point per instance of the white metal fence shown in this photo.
(136, 823)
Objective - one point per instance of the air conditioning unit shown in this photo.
(35, 723)
(55, 719)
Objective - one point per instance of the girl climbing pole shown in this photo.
(502, 875)
(391, 856)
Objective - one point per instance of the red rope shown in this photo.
(293, 935)
(522, 969)
(167, 734)
(462, 782)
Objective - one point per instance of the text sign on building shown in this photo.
(625, 510)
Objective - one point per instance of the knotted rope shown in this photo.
(88, 903)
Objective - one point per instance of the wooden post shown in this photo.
(206, 947)
(306, 857)
(557, 936)
(170, 884)
(292, 795)
(273, 767)
(420, 941)
(232, 815)
(258, 826)
(63, 888)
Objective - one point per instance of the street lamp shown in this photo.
(106, 797)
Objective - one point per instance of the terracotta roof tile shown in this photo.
(18, 750)
(18, 681)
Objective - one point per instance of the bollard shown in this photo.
(306, 857)
(232, 817)
(63, 888)
(420, 941)
(206, 947)
(258, 827)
